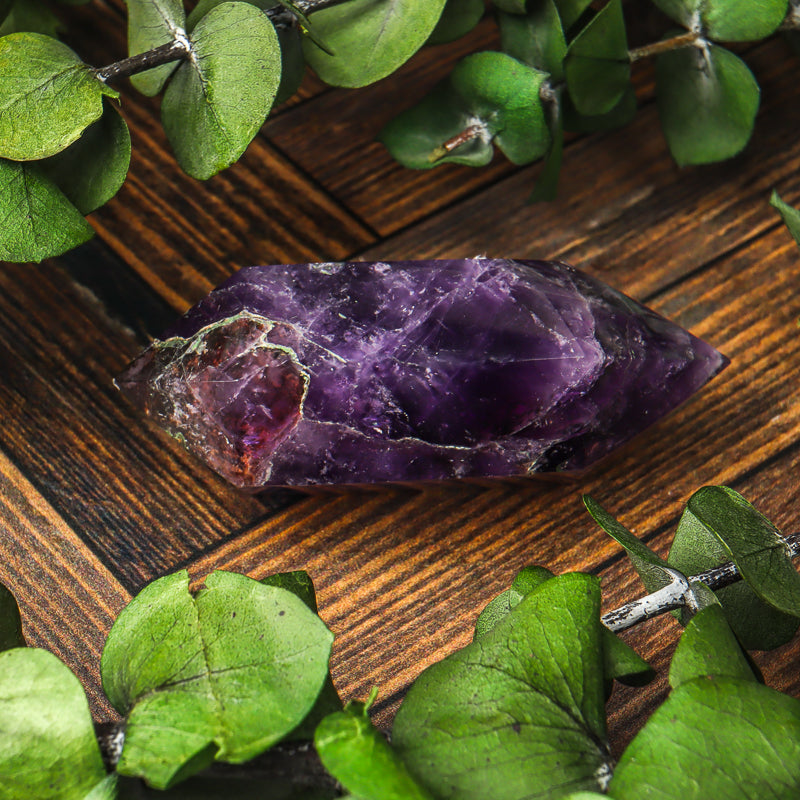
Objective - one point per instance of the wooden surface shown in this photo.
(95, 501)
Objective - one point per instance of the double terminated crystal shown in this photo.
(362, 372)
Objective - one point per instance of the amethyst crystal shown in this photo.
(361, 372)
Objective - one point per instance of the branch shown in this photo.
(678, 592)
(664, 46)
(175, 50)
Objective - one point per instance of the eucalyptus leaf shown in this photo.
(360, 758)
(715, 738)
(369, 39)
(527, 579)
(489, 95)
(620, 662)
(152, 23)
(571, 11)
(707, 101)
(622, 113)
(293, 63)
(547, 183)
(597, 66)
(503, 94)
(650, 567)
(790, 215)
(37, 221)
(92, 170)
(536, 38)
(708, 648)
(48, 749)
(223, 674)
(727, 20)
(30, 16)
(458, 18)
(48, 96)
(415, 136)
(518, 712)
(220, 97)
(299, 583)
(10, 621)
(510, 6)
(696, 548)
(756, 547)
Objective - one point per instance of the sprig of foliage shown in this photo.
(563, 65)
(227, 672)
(707, 95)
(220, 69)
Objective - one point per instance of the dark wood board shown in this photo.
(95, 500)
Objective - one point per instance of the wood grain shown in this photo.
(67, 597)
(136, 498)
(94, 501)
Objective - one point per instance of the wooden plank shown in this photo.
(625, 211)
(67, 598)
(772, 488)
(135, 497)
(183, 236)
(333, 139)
(402, 576)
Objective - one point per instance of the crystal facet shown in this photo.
(363, 372)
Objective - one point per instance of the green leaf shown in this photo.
(152, 23)
(92, 170)
(620, 662)
(715, 738)
(622, 113)
(48, 96)
(5, 9)
(30, 16)
(299, 583)
(527, 579)
(219, 98)
(518, 712)
(10, 621)
(597, 66)
(36, 220)
(756, 547)
(293, 63)
(571, 11)
(727, 20)
(535, 38)
(458, 18)
(708, 648)
(369, 39)
(416, 136)
(223, 674)
(48, 747)
(547, 183)
(790, 215)
(360, 758)
(510, 6)
(698, 547)
(707, 101)
(489, 93)
(650, 567)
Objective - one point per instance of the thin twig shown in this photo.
(175, 50)
(678, 593)
(664, 46)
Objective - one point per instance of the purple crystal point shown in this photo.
(363, 372)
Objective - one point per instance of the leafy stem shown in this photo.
(687, 39)
(175, 50)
